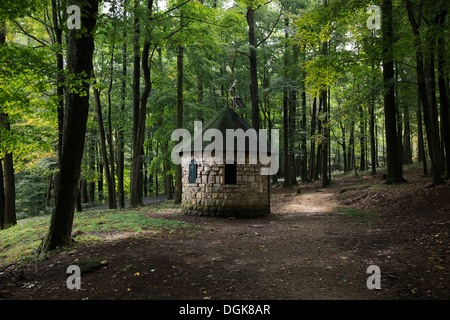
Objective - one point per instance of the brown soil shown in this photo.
(305, 249)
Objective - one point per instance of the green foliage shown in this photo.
(31, 185)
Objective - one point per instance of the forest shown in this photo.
(87, 110)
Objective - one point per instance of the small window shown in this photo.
(192, 171)
(230, 173)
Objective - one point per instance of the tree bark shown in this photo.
(81, 48)
(394, 174)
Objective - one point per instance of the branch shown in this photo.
(29, 35)
(263, 4)
(172, 9)
(203, 21)
(245, 54)
(179, 29)
(271, 31)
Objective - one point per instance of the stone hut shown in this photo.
(236, 189)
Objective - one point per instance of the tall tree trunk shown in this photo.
(60, 73)
(110, 133)
(351, 147)
(373, 147)
(135, 189)
(100, 174)
(120, 134)
(424, 89)
(286, 139)
(443, 90)
(136, 170)
(304, 147)
(407, 157)
(92, 159)
(394, 174)
(178, 176)
(313, 141)
(81, 48)
(421, 147)
(430, 80)
(9, 210)
(253, 69)
(318, 167)
(399, 118)
(325, 112)
(324, 145)
(362, 139)
(344, 147)
(112, 204)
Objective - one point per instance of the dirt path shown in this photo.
(304, 250)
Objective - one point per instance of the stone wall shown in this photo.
(209, 196)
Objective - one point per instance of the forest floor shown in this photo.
(312, 246)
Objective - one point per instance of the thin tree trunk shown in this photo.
(362, 139)
(112, 204)
(351, 147)
(373, 147)
(324, 145)
(443, 91)
(432, 138)
(120, 134)
(92, 159)
(286, 127)
(422, 153)
(110, 133)
(304, 147)
(178, 176)
(313, 141)
(344, 147)
(253, 69)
